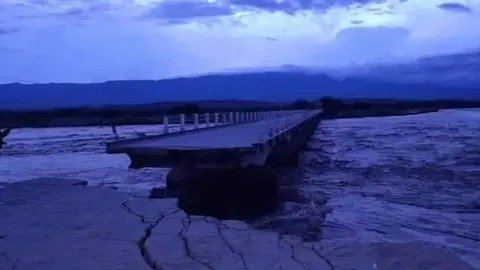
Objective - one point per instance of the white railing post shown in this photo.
(242, 116)
(224, 119)
(216, 119)
(207, 119)
(165, 124)
(237, 117)
(230, 117)
(195, 121)
(182, 122)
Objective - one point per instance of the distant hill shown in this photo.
(262, 86)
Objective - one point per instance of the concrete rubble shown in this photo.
(62, 224)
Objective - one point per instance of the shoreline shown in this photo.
(61, 224)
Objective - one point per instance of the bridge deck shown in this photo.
(242, 135)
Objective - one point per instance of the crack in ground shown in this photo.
(5, 255)
(292, 253)
(147, 257)
(186, 224)
(294, 258)
(232, 250)
(322, 257)
(129, 210)
(144, 252)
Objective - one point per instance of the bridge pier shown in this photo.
(241, 193)
(177, 176)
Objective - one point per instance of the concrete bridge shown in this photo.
(220, 162)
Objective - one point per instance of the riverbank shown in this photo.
(64, 224)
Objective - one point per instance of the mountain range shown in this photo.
(276, 86)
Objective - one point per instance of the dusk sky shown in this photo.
(99, 40)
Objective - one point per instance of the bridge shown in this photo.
(224, 158)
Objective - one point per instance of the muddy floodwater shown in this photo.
(397, 179)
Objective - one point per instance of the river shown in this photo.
(405, 178)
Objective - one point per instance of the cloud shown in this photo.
(288, 6)
(97, 40)
(367, 44)
(6, 31)
(455, 7)
(461, 69)
(292, 6)
(89, 9)
(357, 21)
(178, 11)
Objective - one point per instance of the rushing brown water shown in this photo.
(399, 179)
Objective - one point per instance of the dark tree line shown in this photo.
(187, 109)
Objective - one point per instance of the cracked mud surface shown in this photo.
(48, 224)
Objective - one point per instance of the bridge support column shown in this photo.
(227, 193)
(176, 178)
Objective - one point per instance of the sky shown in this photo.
(98, 40)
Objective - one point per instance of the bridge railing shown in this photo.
(279, 125)
(277, 122)
(182, 122)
